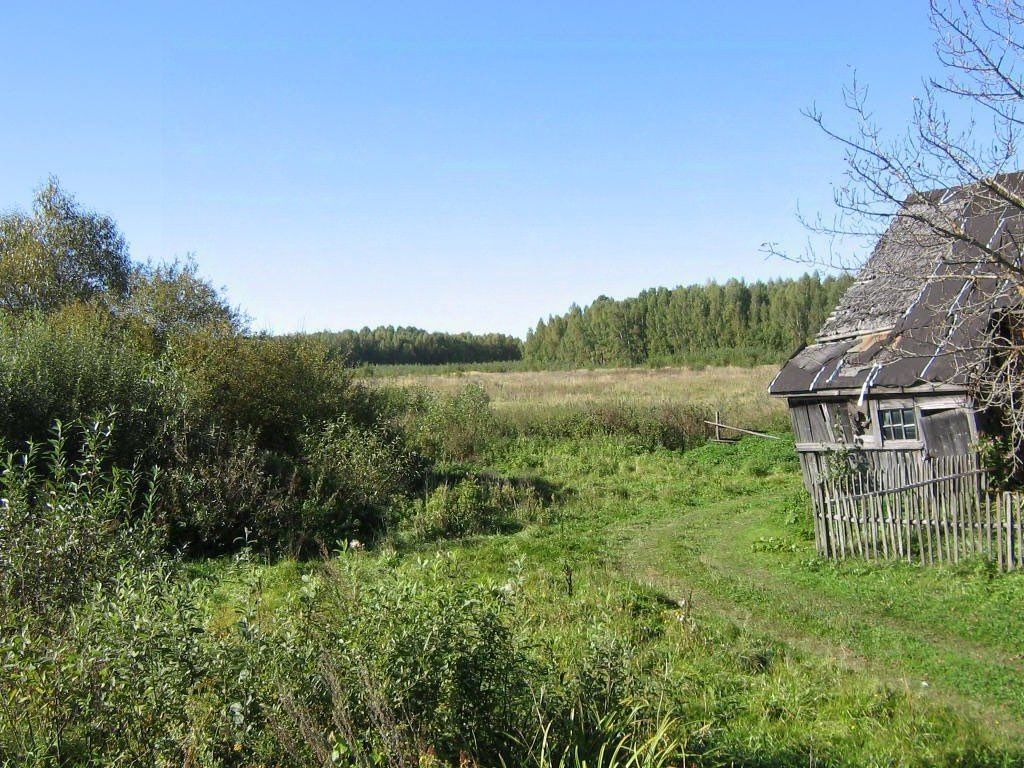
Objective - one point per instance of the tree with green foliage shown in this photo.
(59, 253)
(172, 299)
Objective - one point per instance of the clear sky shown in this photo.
(456, 166)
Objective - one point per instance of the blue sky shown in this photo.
(456, 166)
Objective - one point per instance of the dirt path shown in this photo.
(708, 552)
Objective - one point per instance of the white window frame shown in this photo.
(896, 404)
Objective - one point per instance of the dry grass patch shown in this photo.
(741, 394)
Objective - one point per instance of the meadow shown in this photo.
(686, 586)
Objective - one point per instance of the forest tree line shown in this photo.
(391, 345)
(733, 323)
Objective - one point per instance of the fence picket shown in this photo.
(988, 522)
(999, 533)
(1010, 563)
(1020, 532)
(937, 510)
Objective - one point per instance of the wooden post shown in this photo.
(1008, 498)
(819, 518)
(988, 522)
(999, 528)
(1020, 532)
(864, 513)
(855, 514)
(718, 428)
(926, 523)
(954, 502)
(919, 508)
(892, 524)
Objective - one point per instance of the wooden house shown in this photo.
(889, 374)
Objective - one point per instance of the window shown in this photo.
(898, 424)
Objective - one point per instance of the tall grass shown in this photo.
(653, 407)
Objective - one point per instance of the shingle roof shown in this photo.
(918, 306)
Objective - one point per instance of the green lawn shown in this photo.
(704, 562)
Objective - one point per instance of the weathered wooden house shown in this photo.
(887, 385)
(889, 372)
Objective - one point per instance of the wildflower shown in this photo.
(356, 544)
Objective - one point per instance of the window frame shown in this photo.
(899, 439)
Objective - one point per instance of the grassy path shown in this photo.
(727, 524)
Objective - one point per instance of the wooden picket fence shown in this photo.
(935, 511)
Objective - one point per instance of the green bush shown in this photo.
(409, 668)
(448, 428)
(72, 364)
(648, 426)
(355, 480)
(114, 684)
(69, 524)
(59, 254)
(219, 492)
(171, 300)
(98, 640)
(272, 386)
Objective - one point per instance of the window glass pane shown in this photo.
(898, 424)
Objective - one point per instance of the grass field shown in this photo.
(723, 529)
(739, 393)
(701, 564)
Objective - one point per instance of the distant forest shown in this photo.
(731, 323)
(389, 345)
(736, 323)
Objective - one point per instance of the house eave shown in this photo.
(919, 389)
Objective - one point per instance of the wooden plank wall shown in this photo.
(934, 511)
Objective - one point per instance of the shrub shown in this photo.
(113, 685)
(59, 254)
(474, 506)
(218, 492)
(410, 668)
(648, 426)
(68, 525)
(272, 386)
(169, 300)
(70, 365)
(355, 479)
(448, 428)
(98, 641)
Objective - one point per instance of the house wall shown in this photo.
(943, 425)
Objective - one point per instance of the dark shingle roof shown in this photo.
(918, 307)
(905, 255)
